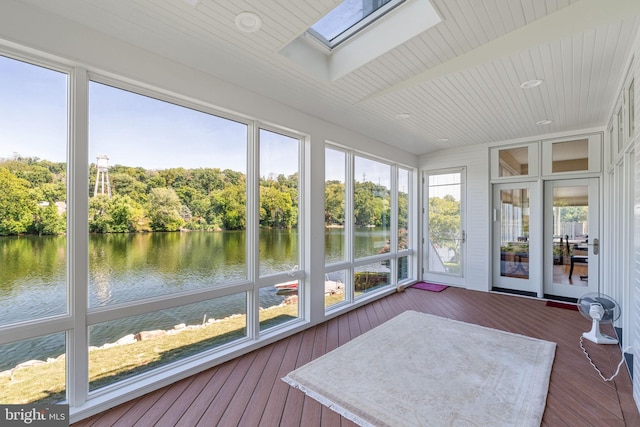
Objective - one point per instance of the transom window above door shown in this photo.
(560, 157)
(579, 154)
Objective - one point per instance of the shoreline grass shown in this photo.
(45, 382)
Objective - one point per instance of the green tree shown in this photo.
(403, 210)
(155, 180)
(368, 204)
(175, 177)
(125, 215)
(276, 208)
(199, 208)
(234, 177)
(126, 185)
(574, 213)
(37, 175)
(207, 180)
(99, 219)
(16, 207)
(164, 210)
(48, 221)
(207, 198)
(229, 208)
(334, 200)
(444, 222)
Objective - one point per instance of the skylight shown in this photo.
(349, 17)
(322, 59)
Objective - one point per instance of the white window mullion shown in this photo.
(349, 226)
(78, 238)
(253, 228)
(393, 233)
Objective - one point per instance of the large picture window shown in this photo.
(168, 270)
(373, 250)
(278, 202)
(157, 171)
(279, 241)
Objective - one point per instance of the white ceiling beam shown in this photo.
(575, 18)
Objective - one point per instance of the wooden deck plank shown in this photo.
(275, 404)
(203, 400)
(245, 393)
(211, 416)
(328, 417)
(295, 398)
(137, 411)
(249, 391)
(160, 406)
(312, 410)
(181, 404)
(263, 389)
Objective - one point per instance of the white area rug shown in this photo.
(423, 370)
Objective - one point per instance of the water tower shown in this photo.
(102, 178)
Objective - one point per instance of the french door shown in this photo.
(572, 240)
(516, 238)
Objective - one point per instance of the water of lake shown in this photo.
(131, 267)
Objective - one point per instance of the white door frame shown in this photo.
(530, 286)
(579, 287)
(451, 279)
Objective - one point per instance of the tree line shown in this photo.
(33, 195)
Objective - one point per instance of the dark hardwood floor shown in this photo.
(248, 391)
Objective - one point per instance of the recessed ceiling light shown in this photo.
(544, 122)
(248, 22)
(443, 139)
(403, 116)
(531, 83)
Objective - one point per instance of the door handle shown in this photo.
(596, 246)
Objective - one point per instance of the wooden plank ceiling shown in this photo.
(459, 80)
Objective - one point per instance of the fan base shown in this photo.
(598, 338)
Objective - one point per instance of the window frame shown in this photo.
(594, 155)
(79, 317)
(63, 322)
(348, 33)
(533, 165)
(350, 263)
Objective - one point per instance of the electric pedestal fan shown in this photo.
(600, 309)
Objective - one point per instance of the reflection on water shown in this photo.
(128, 267)
(131, 267)
(367, 241)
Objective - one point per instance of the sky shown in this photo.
(345, 15)
(128, 128)
(139, 131)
